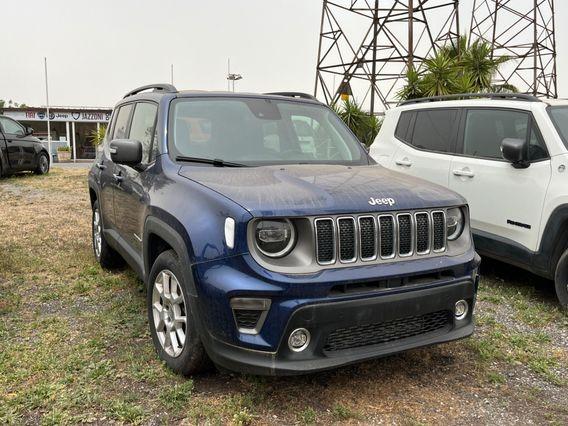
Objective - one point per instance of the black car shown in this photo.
(20, 150)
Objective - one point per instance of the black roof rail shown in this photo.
(506, 96)
(294, 95)
(168, 88)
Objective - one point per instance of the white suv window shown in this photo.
(435, 130)
(485, 129)
(560, 119)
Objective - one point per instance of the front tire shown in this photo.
(561, 280)
(42, 164)
(107, 257)
(170, 317)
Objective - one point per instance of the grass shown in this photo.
(75, 346)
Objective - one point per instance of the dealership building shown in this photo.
(70, 126)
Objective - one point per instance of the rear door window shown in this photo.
(403, 126)
(435, 130)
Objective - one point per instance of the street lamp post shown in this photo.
(231, 77)
(47, 105)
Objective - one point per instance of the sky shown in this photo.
(99, 50)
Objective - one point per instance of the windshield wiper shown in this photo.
(215, 162)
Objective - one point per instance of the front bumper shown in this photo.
(344, 329)
(324, 319)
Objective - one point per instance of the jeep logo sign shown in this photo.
(382, 201)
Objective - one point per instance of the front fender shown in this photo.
(176, 237)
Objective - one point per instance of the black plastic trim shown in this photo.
(157, 227)
(554, 241)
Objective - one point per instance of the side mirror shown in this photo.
(126, 151)
(515, 151)
(29, 131)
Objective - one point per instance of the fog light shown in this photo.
(299, 340)
(461, 309)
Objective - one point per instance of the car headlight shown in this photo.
(454, 223)
(275, 237)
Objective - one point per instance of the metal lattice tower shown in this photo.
(370, 44)
(524, 31)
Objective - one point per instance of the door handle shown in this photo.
(464, 173)
(118, 177)
(100, 166)
(405, 162)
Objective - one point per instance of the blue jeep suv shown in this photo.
(269, 241)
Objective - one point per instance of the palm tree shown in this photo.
(98, 135)
(439, 77)
(413, 88)
(366, 127)
(454, 69)
(479, 63)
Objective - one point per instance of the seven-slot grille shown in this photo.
(380, 333)
(384, 236)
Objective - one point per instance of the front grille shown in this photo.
(422, 233)
(380, 333)
(325, 241)
(247, 318)
(368, 231)
(439, 225)
(347, 249)
(386, 236)
(405, 234)
(386, 225)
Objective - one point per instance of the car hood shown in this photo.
(309, 190)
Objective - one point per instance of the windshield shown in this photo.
(559, 116)
(260, 132)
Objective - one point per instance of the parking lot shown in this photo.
(75, 345)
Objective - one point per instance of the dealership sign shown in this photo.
(77, 116)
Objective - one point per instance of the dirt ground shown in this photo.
(75, 346)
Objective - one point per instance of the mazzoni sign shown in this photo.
(78, 116)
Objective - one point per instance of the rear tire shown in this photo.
(170, 317)
(105, 254)
(42, 164)
(561, 280)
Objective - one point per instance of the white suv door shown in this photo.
(504, 201)
(426, 141)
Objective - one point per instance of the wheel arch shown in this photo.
(93, 196)
(554, 240)
(42, 151)
(160, 236)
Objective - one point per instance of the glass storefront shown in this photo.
(73, 127)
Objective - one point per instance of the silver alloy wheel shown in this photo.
(43, 164)
(169, 313)
(97, 235)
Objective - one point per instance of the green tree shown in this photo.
(98, 136)
(454, 69)
(366, 127)
(477, 62)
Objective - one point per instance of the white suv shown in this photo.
(508, 156)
